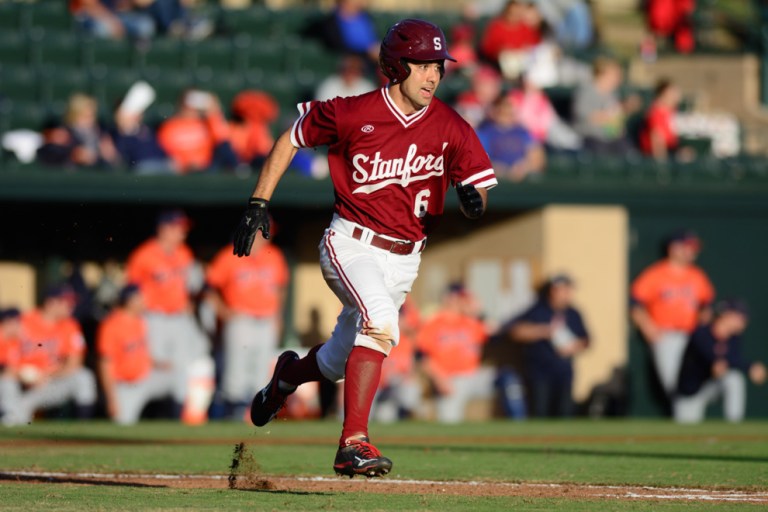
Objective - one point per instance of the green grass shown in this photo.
(655, 453)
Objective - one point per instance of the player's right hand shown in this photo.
(255, 218)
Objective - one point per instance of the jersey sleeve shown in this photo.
(74, 341)
(216, 274)
(316, 125)
(706, 290)
(644, 287)
(470, 164)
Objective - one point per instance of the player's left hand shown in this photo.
(255, 218)
(471, 202)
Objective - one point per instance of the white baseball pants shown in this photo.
(371, 284)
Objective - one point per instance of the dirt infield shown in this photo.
(266, 483)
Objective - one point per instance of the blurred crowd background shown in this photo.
(144, 88)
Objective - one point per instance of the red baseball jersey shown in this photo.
(390, 171)
(162, 276)
(45, 344)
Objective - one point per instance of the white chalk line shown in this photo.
(662, 493)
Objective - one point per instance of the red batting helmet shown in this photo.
(411, 40)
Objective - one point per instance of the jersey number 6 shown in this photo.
(420, 204)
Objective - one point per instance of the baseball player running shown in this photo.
(392, 154)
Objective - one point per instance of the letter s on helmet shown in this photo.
(411, 40)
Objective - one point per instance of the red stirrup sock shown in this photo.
(363, 372)
(303, 370)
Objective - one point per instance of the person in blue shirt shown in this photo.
(714, 367)
(513, 150)
(551, 332)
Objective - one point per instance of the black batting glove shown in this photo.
(470, 201)
(256, 217)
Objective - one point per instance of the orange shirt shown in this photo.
(122, 339)
(190, 141)
(45, 344)
(9, 352)
(252, 285)
(161, 276)
(452, 342)
(672, 295)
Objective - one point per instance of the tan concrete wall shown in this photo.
(590, 244)
(310, 291)
(17, 285)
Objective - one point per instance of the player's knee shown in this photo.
(380, 345)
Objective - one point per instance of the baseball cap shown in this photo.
(457, 288)
(733, 305)
(60, 291)
(173, 217)
(9, 313)
(561, 278)
(685, 236)
(128, 291)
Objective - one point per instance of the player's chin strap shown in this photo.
(470, 201)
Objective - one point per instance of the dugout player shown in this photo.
(129, 377)
(50, 364)
(249, 294)
(714, 367)
(161, 267)
(669, 299)
(392, 155)
(10, 332)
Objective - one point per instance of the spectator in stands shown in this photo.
(598, 114)
(197, 137)
(163, 268)
(540, 118)
(139, 19)
(570, 22)
(670, 19)
(514, 152)
(349, 80)
(52, 352)
(516, 30)
(475, 104)
(249, 296)
(399, 394)
(10, 353)
(551, 332)
(462, 47)
(135, 141)
(349, 28)
(658, 138)
(669, 299)
(129, 377)
(79, 141)
(714, 367)
(250, 131)
(451, 342)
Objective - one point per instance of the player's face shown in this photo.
(420, 86)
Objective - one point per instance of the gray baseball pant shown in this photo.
(249, 346)
(731, 387)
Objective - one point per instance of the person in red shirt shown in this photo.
(197, 137)
(163, 268)
(51, 355)
(393, 154)
(658, 138)
(669, 300)
(452, 342)
(249, 295)
(129, 377)
(10, 332)
(514, 29)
